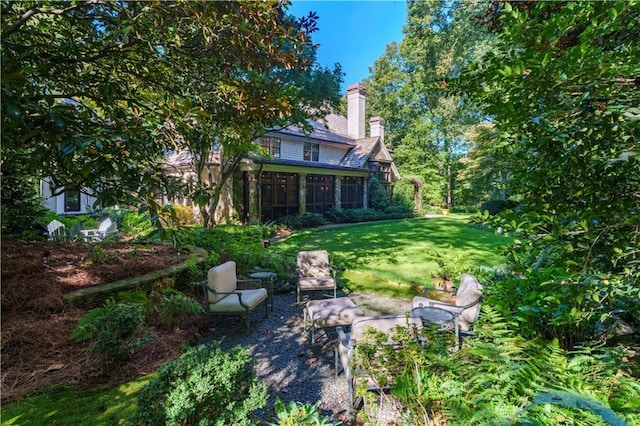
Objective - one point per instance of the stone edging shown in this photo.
(91, 297)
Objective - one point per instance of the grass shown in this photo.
(398, 258)
(75, 406)
(395, 258)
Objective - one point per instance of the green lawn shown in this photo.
(396, 257)
(75, 406)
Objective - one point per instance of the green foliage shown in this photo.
(175, 306)
(496, 206)
(498, 377)
(114, 331)
(184, 215)
(20, 203)
(136, 223)
(99, 255)
(572, 308)
(205, 386)
(242, 244)
(378, 196)
(305, 220)
(140, 298)
(451, 264)
(297, 414)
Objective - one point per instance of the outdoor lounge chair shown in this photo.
(467, 304)
(314, 272)
(222, 296)
(107, 227)
(346, 346)
(56, 230)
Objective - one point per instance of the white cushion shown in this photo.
(332, 312)
(314, 263)
(221, 278)
(231, 302)
(327, 283)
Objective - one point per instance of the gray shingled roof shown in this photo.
(360, 153)
(320, 132)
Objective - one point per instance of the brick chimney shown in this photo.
(376, 124)
(356, 97)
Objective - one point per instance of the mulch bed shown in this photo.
(36, 322)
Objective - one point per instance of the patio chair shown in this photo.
(222, 296)
(107, 227)
(346, 346)
(56, 230)
(467, 303)
(314, 273)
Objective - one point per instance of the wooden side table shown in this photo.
(266, 277)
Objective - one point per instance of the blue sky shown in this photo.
(353, 33)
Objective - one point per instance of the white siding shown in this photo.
(331, 154)
(291, 150)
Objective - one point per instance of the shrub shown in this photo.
(297, 414)
(378, 196)
(20, 204)
(496, 206)
(397, 212)
(176, 306)
(135, 223)
(305, 220)
(243, 244)
(184, 215)
(114, 330)
(205, 386)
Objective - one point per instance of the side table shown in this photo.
(438, 316)
(266, 277)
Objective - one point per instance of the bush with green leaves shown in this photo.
(572, 308)
(305, 220)
(378, 196)
(133, 223)
(115, 330)
(242, 244)
(176, 306)
(498, 377)
(298, 414)
(493, 207)
(204, 386)
(20, 203)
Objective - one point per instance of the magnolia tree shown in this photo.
(93, 92)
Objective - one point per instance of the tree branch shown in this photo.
(34, 10)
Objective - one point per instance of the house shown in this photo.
(330, 168)
(69, 201)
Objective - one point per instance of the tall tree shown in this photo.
(429, 125)
(563, 86)
(94, 91)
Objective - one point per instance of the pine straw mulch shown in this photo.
(36, 322)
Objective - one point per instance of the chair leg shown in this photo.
(248, 315)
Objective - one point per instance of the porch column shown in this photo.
(253, 201)
(302, 193)
(365, 194)
(337, 193)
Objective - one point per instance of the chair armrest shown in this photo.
(208, 290)
(426, 289)
(250, 280)
(333, 272)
